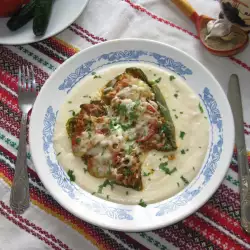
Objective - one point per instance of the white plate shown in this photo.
(64, 13)
(131, 217)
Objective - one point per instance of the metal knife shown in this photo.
(234, 97)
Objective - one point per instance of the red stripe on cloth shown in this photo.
(9, 80)
(33, 226)
(13, 157)
(184, 237)
(211, 233)
(82, 36)
(231, 225)
(98, 38)
(160, 19)
(47, 52)
(28, 230)
(12, 61)
(9, 100)
(227, 201)
(59, 47)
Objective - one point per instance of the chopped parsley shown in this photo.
(146, 174)
(58, 153)
(201, 109)
(186, 182)
(126, 192)
(174, 109)
(73, 112)
(69, 102)
(149, 179)
(85, 170)
(171, 78)
(89, 134)
(93, 193)
(97, 76)
(164, 168)
(194, 168)
(154, 74)
(181, 113)
(178, 184)
(78, 140)
(158, 80)
(176, 116)
(71, 175)
(93, 73)
(127, 172)
(176, 95)
(105, 184)
(130, 149)
(107, 197)
(182, 134)
(142, 203)
(183, 151)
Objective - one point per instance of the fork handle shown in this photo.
(19, 197)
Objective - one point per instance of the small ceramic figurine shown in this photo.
(236, 12)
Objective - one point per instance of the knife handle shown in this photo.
(245, 204)
(244, 189)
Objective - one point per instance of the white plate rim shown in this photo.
(138, 228)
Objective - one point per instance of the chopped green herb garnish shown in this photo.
(171, 78)
(194, 168)
(182, 134)
(178, 184)
(105, 184)
(201, 109)
(186, 182)
(89, 134)
(71, 175)
(73, 112)
(58, 153)
(93, 73)
(107, 197)
(176, 95)
(149, 179)
(78, 140)
(176, 116)
(181, 113)
(158, 80)
(130, 149)
(126, 192)
(97, 76)
(183, 151)
(69, 102)
(199, 147)
(163, 167)
(142, 203)
(127, 171)
(93, 193)
(205, 117)
(146, 174)
(154, 74)
(85, 170)
(174, 109)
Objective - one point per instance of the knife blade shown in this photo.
(234, 96)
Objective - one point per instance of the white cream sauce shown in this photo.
(187, 116)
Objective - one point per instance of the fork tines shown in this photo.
(26, 79)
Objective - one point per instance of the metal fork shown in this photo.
(19, 197)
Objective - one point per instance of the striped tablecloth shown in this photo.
(46, 225)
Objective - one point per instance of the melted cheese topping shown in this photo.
(157, 182)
